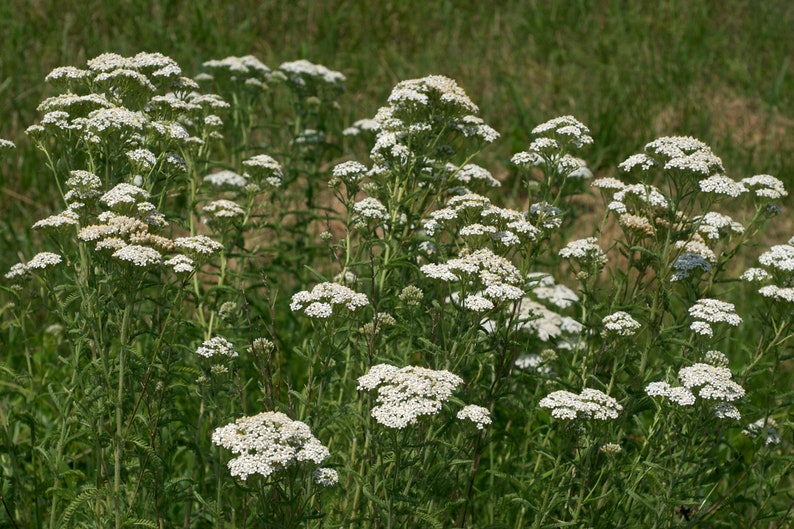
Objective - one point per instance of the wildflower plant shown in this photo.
(243, 311)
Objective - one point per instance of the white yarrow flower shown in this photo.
(216, 346)
(43, 260)
(479, 415)
(589, 404)
(405, 394)
(268, 443)
(620, 324)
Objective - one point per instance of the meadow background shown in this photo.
(632, 71)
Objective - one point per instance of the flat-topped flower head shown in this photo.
(779, 258)
(679, 395)
(66, 76)
(640, 199)
(7, 145)
(565, 129)
(686, 264)
(238, 69)
(55, 223)
(608, 184)
(110, 125)
(714, 225)
(124, 79)
(226, 178)
(707, 311)
(216, 346)
(765, 186)
(124, 195)
(714, 382)
(405, 394)
(430, 90)
(263, 169)
(589, 404)
(140, 256)
(350, 171)
(75, 105)
(722, 185)
(304, 74)
(181, 264)
(370, 210)
(479, 415)
(327, 299)
(620, 324)
(223, 210)
(776, 293)
(198, 245)
(755, 275)
(83, 186)
(585, 252)
(473, 174)
(267, 443)
(43, 261)
(18, 272)
(142, 160)
(494, 278)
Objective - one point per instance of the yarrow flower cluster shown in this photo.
(247, 70)
(470, 174)
(140, 256)
(765, 187)
(776, 273)
(303, 74)
(271, 442)
(496, 279)
(263, 169)
(639, 199)
(715, 225)
(41, 261)
(198, 245)
(589, 404)
(714, 382)
(325, 477)
(620, 324)
(216, 346)
(477, 414)
(586, 253)
(326, 299)
(707, 311)
(405, 394)
(223, 210)
(226, 178)
(543, 287)
(370, 210)
(476, 218)
(421, 112)
(548, 325)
